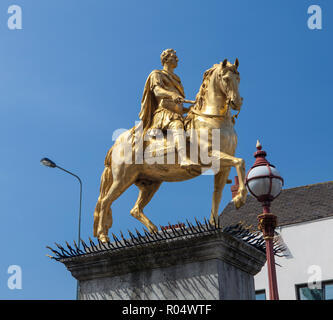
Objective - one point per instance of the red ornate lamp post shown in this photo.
(264, 182)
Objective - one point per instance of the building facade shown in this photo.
(305, 227)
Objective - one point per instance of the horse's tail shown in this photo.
(106, 183)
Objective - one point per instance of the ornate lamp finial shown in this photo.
(260, 156)
(258, 145)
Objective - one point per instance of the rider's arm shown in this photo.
(165, 94)
(157, 86)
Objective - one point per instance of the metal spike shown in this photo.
(166, 235)
(125, 241)
(177, 232)
(181, 227)
(250, 237)
(190, 226)
(157, 236)
(140, 238)
(86, 248)
(63, 250)
(202, 227)
(148, 235)
(137, 233)
(55, 252)
(113, 247)
(134, 239)
(101, 245)
(145, 233)
(94, 247)
(117, 242)
(78, 250)
(73, 253)
(144, 240)
(172, 229)
(207, 224)
(227, 229)
(151, 235)
(198, 224)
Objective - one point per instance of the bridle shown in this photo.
(226, 108)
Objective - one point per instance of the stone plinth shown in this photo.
(206, 266)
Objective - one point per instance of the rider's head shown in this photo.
(169, 56)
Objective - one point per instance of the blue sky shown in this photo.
(76, 72)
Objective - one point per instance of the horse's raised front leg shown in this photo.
(227, 160)
(220, 180)
(147, 190)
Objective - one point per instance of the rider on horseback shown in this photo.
(162, 104)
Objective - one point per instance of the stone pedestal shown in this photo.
(200, 267)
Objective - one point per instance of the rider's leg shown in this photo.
(178, 133)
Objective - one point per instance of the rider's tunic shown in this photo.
(162, 113)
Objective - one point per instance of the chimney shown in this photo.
(234, 188)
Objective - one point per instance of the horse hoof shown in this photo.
(104, 238)
(238, 202)
(213, 222)
(152, 229)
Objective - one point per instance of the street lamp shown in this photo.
(49, 163)
(264, 182)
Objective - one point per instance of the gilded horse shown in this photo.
(218, 94)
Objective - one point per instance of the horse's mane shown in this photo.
(200, 97)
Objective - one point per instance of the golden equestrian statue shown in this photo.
(166, 146)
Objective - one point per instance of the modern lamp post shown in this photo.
(264, 182)
(49, 163)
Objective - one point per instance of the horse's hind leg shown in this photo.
(145, 194)
(106, 182)
(121, 181)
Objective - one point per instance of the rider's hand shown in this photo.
(177, 99)
(186, 110)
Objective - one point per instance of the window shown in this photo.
(325, 292)
(261, 294)
(329, 291)
(305, 293)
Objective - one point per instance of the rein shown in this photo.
(197, 112)
(220, 116)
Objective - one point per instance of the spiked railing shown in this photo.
(239, 231)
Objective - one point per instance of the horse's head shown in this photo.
(228, 80)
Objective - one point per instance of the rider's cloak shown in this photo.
(165, 80)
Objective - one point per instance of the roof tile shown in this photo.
(293, 205)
